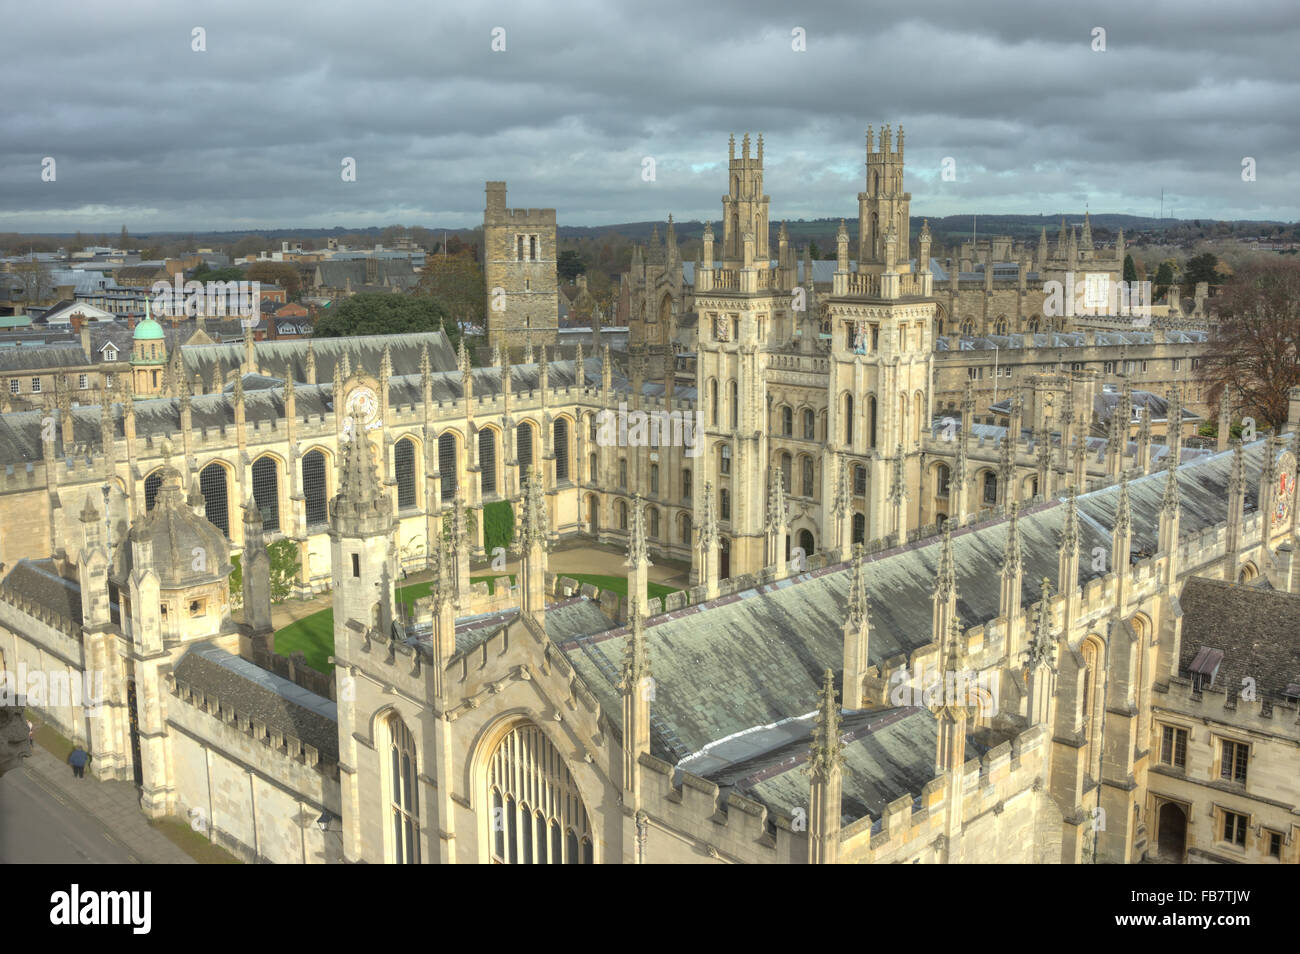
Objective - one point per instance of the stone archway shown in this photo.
(1171, 833)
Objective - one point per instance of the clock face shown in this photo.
(361, 412)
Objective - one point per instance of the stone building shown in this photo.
(519, 257)
(850, 545)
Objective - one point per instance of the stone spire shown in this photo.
(1012, 579)
(1068, 553)
(1236, 511)
(1012, 552)
(1121, 542)
(1040, 659)
(944, 619)
(638, 561)
(709, 543)
(857, 632)
(360, 508)
(532, 541)
(1174, 426)
(778, 521)
(825, 766)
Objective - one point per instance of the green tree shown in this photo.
(228, 274)
(1164, 277)
(379, 313)
(283, 556)
(569, 265)
(1130, 270)
(1202, 268)
(284, 274)
(455, 282)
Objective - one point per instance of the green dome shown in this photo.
(148, 330)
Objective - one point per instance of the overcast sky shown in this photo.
(252, 132)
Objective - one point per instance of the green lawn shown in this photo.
(313, 635)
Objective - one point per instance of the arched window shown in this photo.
(686, 483)
(487, 462)
(538, 816)
(524, 451)
(787, 476)
(807, 468)
(990, 487)
(809, 426)
(1000, 326)
(151, 485)
(654, 523)
(1090, 702)
(848, 419)
(313, 488)
(968, 328)
(942, 478)
(713, 401)
(685, 525)
(403, 794)
(871, 420)
(654, 480)
(787, 421)
(447, 465)
(859, 481)
(735, 405)
(212, 484)
(404, 472)
(724, 504)
(859, 528)
(266, 492)
(622, 515)
(622, 473)
(724, 459)
(918, 413)
(560, 436)
(592, 464)
(806, 542)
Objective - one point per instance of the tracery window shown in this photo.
(538, 816)
(403, 795)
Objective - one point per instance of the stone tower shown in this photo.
(519, 253)
(744, 207)
(884, 206)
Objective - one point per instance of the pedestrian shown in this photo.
(78, 760)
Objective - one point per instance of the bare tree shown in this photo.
(1255, 353)
(36, 281)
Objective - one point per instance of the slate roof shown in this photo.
(1256, 628)
(888, 753)
(40, 582)
(262, 696)
(390, 273)
(38, 358)
(1068, 339)
(276, 356)
(756, 658)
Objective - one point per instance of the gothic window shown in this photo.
(724, 504)
(806, 542)
(622, 473)
(622, 515)
(591, 428)
(313, 488)
(735, 405)
(685, 522)
(592, 464)
(859, 528)
(403, 794)
(859, 481)
(654, 480)
(848, 419)
(212, 484)
(713, 401)
(487, 462)
(686, 483)
(942, 479)
(990, 488)
(560, 437)
(809, 426)
(538, 816)
(654, 524)
(266, 492)
(968, 328)
(724, 459)
(447, 465)
(532, 248)
(151, 485)
(807, 467)
(524, 451)
(787, 422)
(1033, 324)
(787, 475)
(1090, 701)
(404, 471)
(1000, 327)
(519, 248)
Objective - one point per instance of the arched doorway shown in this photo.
(806, 542)
(1171, 840)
